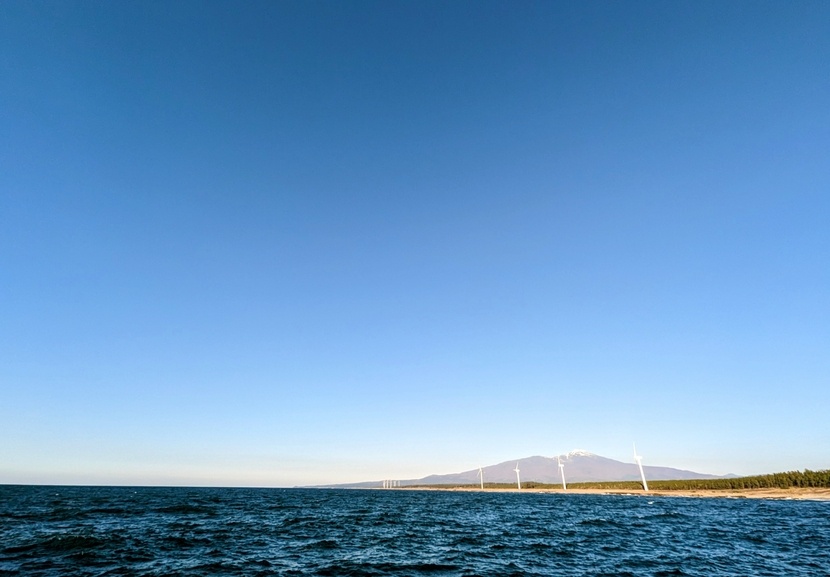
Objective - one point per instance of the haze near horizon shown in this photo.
(301, 243)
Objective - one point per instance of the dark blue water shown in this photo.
(179, 531)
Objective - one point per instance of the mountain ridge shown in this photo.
(580, 466)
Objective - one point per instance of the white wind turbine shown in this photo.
(562, 473)
(518, 481)
(639, 461)
(481, 474)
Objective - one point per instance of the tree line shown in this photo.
(786, 480)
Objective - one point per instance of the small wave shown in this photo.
(353, 569)
(73, 542)
(755, 538)
(322, 544)
(466, 540)
(348, 570)
(600, 522)
(668, 515)
(119, 511)
(297, 520)
(179, 542)
(187, 509)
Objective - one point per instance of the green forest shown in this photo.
(788, 480)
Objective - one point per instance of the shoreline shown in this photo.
(796, 493)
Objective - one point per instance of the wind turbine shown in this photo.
(639, 461)
(518, 481)
(481, 474)
(562, 473)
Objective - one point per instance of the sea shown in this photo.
(143, 531)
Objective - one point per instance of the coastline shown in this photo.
(795, 493)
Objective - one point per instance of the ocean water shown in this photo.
(200, 531)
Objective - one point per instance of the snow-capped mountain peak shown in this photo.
(579, 453)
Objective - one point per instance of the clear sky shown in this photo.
(286, 243)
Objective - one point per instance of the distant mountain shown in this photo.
(580, 466)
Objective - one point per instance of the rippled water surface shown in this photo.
(180, 531)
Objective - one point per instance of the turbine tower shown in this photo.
(481, 474)
(518, 481)
(562, 473)
(639, 461)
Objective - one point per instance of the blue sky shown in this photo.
(292, 243)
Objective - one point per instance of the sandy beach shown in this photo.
(794, 493)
